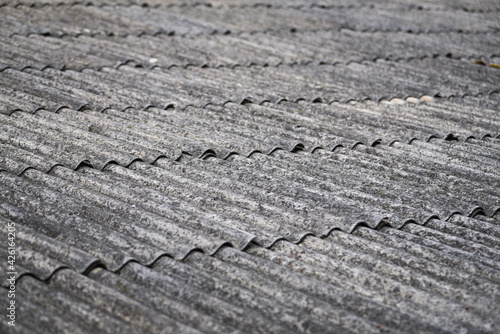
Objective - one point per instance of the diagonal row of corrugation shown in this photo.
(298, 5)
(168, 207)
(45, 142)
(359, 18)
(284, 125)
(317, 81)
(442, 277)
(327, 48)
(129, 86)
(102, 200)
(468, 6)
(203, 19)
(130, 135)
(40, 31)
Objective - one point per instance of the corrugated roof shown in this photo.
(241, 166)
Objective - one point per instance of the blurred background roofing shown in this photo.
(251, 166)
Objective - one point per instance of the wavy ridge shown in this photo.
(394, 99)
(297, 241)
(211, 153)
(297, 147)
(227, 32)
(145, 4)
(306, 62)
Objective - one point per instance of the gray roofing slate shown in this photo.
(251, 166)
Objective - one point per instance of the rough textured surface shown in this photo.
(251, 167)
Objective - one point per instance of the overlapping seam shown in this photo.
(226, 32)
(150, 263)
(422, 98)
(248, 5)
(306, 62)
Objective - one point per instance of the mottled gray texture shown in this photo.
(251, 166)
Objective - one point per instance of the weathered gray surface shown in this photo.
(249, 166)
